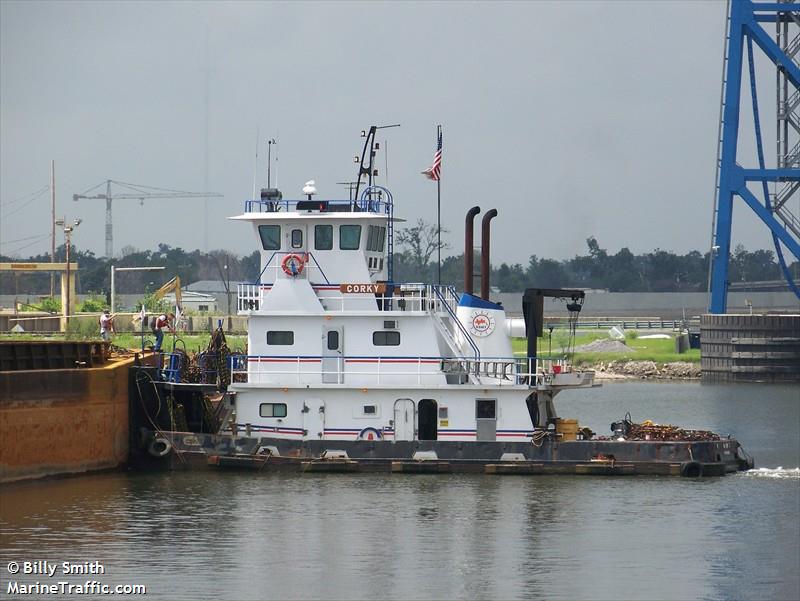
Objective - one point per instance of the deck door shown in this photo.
(313, 419)
(404, 419)
(332, 355)
(486, 419)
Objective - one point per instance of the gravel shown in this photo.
(605, 346)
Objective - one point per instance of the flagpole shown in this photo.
(439, 218)
(439, 227)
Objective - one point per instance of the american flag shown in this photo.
(434, 171)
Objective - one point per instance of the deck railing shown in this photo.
(365, 205)
(406, 297)
(305, 369)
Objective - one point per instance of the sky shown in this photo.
(573, 119)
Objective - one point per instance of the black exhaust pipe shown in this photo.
(485, 266)
(469, 250)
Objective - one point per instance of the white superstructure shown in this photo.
(336, 351)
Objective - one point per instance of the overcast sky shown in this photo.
(571, 118)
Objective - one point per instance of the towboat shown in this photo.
(349, 370)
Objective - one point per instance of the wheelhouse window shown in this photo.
(297, 238)
(280, 337)
(272, 410)
(270, 236)
(386, 338)
(323, 237)
(381, 239)
(349, 237)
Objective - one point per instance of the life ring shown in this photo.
(691, 469)
(293, 264)
(159, 447)
(370, 434)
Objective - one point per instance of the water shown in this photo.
(257, 536)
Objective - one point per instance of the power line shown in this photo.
(11, 252)
(21, 239)
(36, 193)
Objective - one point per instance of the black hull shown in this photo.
(611, 457)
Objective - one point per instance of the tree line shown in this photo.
(414, 261)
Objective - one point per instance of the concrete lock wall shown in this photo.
(63, 421)
(750, 348)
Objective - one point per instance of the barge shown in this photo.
(348, 370)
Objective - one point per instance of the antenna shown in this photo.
(270, 142)
(255, 166)
(367, 161)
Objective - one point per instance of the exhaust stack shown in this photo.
(485, 265)
(469, 250)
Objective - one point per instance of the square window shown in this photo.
(486, 408)
(442, 412)
(349, 237)
(370, 409)
(270, 236)
(323, 237)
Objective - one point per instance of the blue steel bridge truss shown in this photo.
(745, 19)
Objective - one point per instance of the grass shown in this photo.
(188, 342)
(657, 350)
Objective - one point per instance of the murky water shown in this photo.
(256, 536)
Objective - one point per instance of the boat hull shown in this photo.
(551, 456)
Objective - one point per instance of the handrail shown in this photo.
(503, 370)
(354, 206)
(460, 325)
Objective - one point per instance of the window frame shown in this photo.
(483, 400)
(290, 332)
(376, 334)
(262, 228)
(357, 227)
(316, 236)
(292, 238)
(273, 406)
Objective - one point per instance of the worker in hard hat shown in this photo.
(161, 322)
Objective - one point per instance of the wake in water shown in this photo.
(778, 472)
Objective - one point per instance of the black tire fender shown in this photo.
(691, 469)
(159, 447)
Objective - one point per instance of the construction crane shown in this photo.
(136, 192)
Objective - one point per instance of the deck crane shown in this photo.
(136, 192)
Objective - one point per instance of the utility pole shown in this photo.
(67, 234)
(52, 225)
